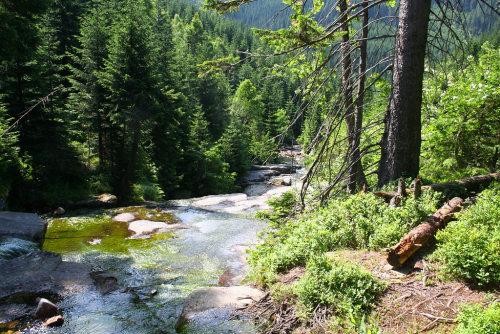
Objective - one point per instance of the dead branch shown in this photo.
(410, 243)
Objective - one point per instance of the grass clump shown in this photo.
(470, 246)
(360, 221)
(474, 319)
(346, 287)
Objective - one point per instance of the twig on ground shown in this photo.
(426, 300)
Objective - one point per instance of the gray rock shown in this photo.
(11, 312)
(269, 172)
(256, 177)
(258, 189)
(41, 273)
(27, 226)
(287, 181)
(281, 168)
(45, 309)
(204, 305)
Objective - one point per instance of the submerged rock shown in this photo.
(26, 226)
(256, 176)
(105, 283)
(45, 309)
(144, 228)
(205, 305)
(230, 277)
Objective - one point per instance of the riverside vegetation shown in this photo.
(348, 289)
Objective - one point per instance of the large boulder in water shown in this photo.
(216, 304)
(42, 274)
(26, 226)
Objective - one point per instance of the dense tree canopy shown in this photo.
(129, 109)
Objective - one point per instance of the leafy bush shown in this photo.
(470, 246)
(360, 221)
(473, 319)
(347, 287)
(460, 124)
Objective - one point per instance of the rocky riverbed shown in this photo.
(133, 269)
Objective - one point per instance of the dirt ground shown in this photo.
(416, 300)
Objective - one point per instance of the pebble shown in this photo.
(54, 321)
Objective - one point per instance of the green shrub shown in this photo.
(360, 221)
(147, 192)
(281, 207)
(346, 287)
(473, 319)
(470, 246)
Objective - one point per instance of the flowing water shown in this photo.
(172, 263)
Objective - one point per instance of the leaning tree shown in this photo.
(331, 43)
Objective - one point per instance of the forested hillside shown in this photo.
(110, 96)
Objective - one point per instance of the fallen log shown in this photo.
(471, 183)
(410, 243)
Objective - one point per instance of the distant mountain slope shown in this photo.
(273, 14)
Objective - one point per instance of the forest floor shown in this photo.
(417, 300)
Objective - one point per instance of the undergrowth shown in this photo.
(474, 319)
(470, 246)
(360, 221)
(346, 287)
(468, 250)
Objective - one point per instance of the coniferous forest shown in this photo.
(111, 97)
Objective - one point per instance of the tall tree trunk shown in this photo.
(401, 140)
(356, 173)
(123, 187)
(356, 155)
(102, 161)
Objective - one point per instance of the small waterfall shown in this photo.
(11, 248)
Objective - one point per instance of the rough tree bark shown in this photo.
(401, 140)
(409, 244)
